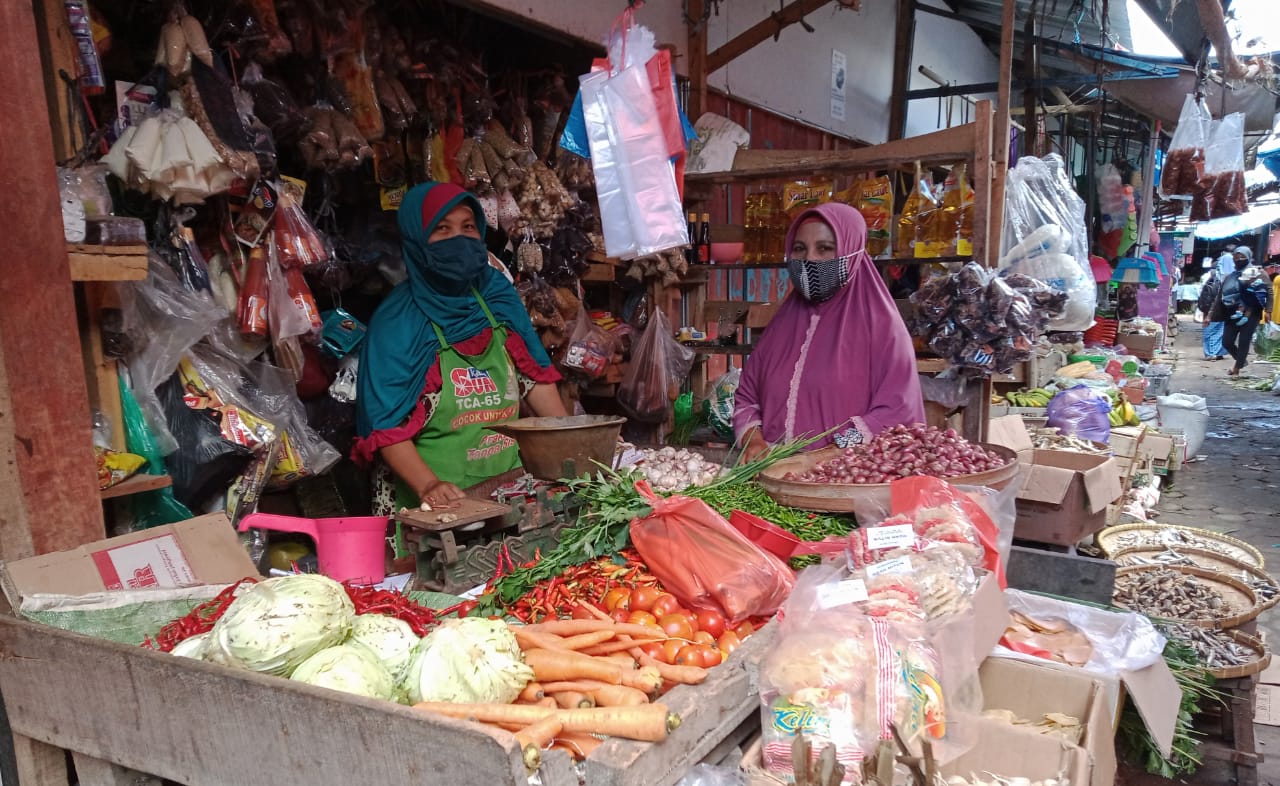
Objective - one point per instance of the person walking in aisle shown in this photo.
(1211, 338)
(1241, 302)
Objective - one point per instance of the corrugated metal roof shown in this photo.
(1068, 21)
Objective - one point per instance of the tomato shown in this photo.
(703, 637)
(671, 648)
(654, 650)
(620, 615)
(728, 642)
(580, 613)
(643, 618)
(676, 626)
(689, 615)
(642, 598)
(698, 655)
(712, 622)
(618, 597)
(744, 629)
(664, 605)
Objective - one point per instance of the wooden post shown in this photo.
(46, 407)
(57, 54)
(757, 34)
(903, 49)
(1000, 148)
(1148, 191)
(697, 58)
(1030, 95)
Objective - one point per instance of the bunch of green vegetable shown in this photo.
(608, 504)
(752, 498)
(1197, 687)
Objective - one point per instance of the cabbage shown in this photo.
(278, 623)
(350, 668)
(196, 646)
(467, 660)
(392, 640)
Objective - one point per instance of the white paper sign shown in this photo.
(892, 537)
(842, 593)
(838, 76)
(889, 567)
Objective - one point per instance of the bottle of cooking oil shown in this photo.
(773, 226)
(751, 226)
(909, 229)
(949, 228)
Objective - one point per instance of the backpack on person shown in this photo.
(1209, 295)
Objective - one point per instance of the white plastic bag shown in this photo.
(1045, 236)
(1122, 640)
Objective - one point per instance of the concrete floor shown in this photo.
(1233, 490)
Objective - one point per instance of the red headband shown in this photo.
(436, 200)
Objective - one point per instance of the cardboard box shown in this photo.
(1010, 431)
(202, 550)
(1064, 496)
(1030, 691)
(1139, 346)
(1126, 440)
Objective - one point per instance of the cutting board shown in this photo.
(467, 510)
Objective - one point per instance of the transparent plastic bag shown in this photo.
(650, 385)
(151, 508)
(1045, 237)
(1184, 164)
(590, 350)
(1081, 412)
(720, 403)
(1223, 181)
(162, 320)
(705, 562)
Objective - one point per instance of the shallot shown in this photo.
(903, 451)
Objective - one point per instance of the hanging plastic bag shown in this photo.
(590, 349)
(720, 403)
(650, 384)
(298, 244)
(151, 508)
(1224, 168)
(1184, 165)
(1081, 412)
(1045, 236)
(706, 563)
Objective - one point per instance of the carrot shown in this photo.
(595, 611)
(647, 723)
(572, 699)
(532, 640)
(584, 640)
(618, 696)
(609, 648)
(578, 685)
(545, 702)
(685, 675)
(536, 736)
(623, 659)
(579, 746)
(553, 666)
(575, 627)
(532, 692)
(646, 679)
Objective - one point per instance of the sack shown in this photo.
(1184, 165)
(658, 366)
(706, 563)
(1081, 412)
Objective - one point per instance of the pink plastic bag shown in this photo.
(706, 563)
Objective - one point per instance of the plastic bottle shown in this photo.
(908, 220)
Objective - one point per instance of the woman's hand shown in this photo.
(755, 446)
(438, 493)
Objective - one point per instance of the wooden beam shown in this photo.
(48, 406)
(904, 36)
(1000, 146)
(696, 10)
(944, 146)
(58, 54)
(760, 31)
(1030, 94)
(982, 181)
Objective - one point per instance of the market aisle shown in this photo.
(1234, 489)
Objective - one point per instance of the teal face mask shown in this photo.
(454, 266)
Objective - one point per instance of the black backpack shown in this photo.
(1209, 294)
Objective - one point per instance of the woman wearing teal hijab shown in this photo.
(449, 352)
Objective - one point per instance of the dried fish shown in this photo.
(1178, 537)
(1264, 588)
(1168, 593)
(1214, 648)
(1052, 438)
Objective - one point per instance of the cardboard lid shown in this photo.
(1053, 472)
(1010, 432)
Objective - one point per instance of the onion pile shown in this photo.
(903, 451)
(668, 469)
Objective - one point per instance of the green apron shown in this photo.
(474, 391)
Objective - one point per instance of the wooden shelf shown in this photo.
(107, 263)
(732, 349)
(136, 485)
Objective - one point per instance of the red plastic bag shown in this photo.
(706, 563)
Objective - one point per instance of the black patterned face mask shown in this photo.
(818, 280)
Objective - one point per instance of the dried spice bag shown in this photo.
(1184, 165)
(1224, 167)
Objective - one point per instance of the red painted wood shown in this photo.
(41, 347)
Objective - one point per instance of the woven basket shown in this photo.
(1209, 560)
(1111, 540)
(1252, 667)
(1236, 592)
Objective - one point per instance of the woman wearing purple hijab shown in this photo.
(837, 354)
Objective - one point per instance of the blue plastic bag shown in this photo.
(574, 139)
(1082, 412)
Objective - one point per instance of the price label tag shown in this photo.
(842, 593)
(895, 536)
(889, 567)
